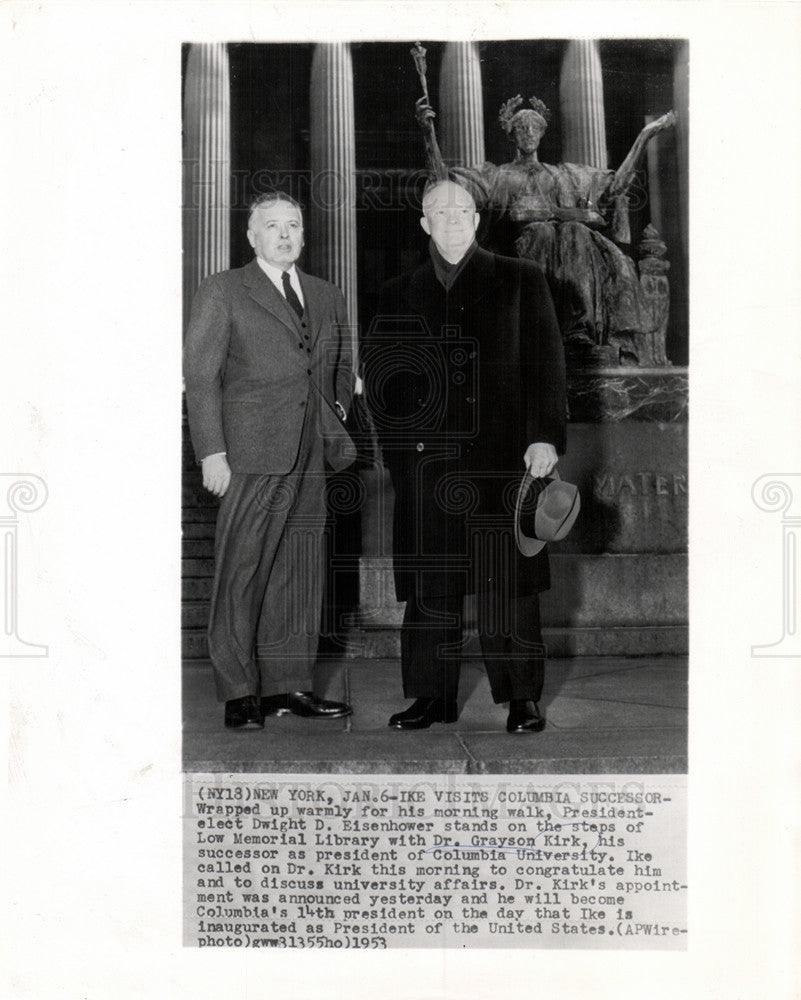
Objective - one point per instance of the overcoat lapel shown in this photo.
(478, 279)
(427, 297)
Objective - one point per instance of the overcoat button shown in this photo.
(420, 446)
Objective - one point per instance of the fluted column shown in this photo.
(681, 103)
(332, 222)
(653, 164)
(207, 166)
(581, 105)
(461, 105)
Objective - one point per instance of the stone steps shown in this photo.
(384, 642)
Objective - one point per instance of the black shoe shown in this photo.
(423, 712)
(524, 717)
(305, 704)
(244, 713)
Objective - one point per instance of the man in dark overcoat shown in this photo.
(465, 378)
(269, 379)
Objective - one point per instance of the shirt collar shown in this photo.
(274, 273)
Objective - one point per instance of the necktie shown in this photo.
(290, 294)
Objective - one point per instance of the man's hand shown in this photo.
(216, 474)
(540, 459)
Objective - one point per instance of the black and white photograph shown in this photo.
(400, 498)
(497, 319)
(436, 383)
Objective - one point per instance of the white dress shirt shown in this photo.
(274, 274)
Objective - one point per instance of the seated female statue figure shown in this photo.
(568, 218)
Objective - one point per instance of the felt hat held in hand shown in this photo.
(545, 511)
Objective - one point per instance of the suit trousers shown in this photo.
(511, 645)
(267, 594)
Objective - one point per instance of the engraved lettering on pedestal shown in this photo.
(23, 494)
(640, 484)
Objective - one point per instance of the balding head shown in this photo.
(450, 219)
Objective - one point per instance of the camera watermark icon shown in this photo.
(782, 492)
(20, 493)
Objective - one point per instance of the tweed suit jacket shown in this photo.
(253, 371)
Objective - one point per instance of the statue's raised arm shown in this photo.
(573, 220)
(425, 115)
(625, 172)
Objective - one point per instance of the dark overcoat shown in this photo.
(459, 383)
(253, 370)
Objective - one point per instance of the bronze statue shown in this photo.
(570, 218)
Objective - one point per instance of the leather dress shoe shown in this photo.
(305, 704)
(244, 713)
(421, 713)
(524, 717)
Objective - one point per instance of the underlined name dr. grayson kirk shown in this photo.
(281, 861)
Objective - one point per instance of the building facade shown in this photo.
(333, 124)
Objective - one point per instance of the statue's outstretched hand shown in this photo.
(423, 112)
(660, 124)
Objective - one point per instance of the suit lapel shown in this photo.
(263, 291)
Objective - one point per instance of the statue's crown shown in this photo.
(509, 109)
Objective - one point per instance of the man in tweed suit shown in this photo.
(268, 383)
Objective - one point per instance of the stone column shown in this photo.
(654, 167)
(331, 225)
(461, 106)
(19, 494)
(581, 105)
(207, 166)
(332, 216)
(681, 104)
